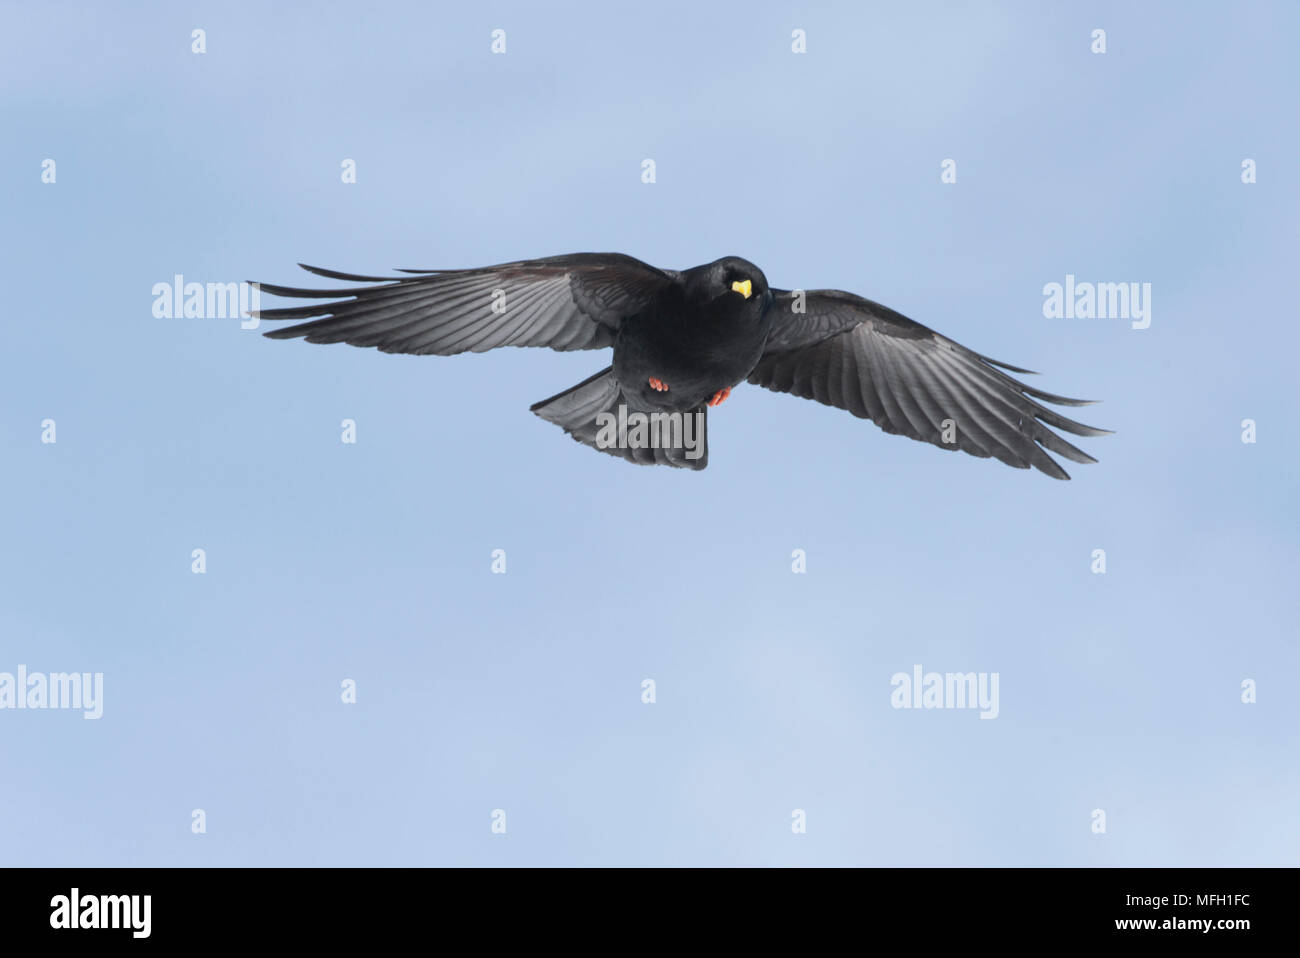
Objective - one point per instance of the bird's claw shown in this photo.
(658, 385)
(720, 396)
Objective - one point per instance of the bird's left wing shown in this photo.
(567, 302)
(848, 352)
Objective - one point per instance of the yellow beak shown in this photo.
(745, 289)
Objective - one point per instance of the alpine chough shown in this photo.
(683, 339)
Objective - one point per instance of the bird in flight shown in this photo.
(682, 339)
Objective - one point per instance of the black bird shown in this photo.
(683, 339)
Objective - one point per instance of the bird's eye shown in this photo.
(742, 286)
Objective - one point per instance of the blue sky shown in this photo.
(522, 691)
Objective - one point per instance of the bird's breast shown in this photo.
(695, 353)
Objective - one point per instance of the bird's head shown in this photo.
(729, 276)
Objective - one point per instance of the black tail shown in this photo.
(596, 413)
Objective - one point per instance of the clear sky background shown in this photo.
(522, 691)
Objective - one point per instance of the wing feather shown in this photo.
(848, 352)
(577, 301)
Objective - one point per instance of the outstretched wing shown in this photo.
(567, 302)
(849, 352)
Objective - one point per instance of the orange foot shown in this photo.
(720, 396)
(658, 385)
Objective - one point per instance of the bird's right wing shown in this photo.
(567, 302)
(846, 351)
